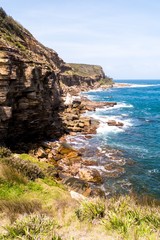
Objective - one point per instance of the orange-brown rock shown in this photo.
(66, 149)
(90, 175)
(78, 185)
(41, 153)
(114, 123)
(115, 173)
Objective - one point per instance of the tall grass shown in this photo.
(10, 175)
(33, 227)
(125, 216)
(90, 210)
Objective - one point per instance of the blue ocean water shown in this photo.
(138, 107)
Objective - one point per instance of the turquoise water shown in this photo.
(138, 107)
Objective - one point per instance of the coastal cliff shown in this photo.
(29, 87)
(32, 81)
(84, 76)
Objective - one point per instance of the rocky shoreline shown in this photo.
(83, 169)
(40, 99)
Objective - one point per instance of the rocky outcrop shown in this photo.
(30, 92)
(32, 80)
(84, 76)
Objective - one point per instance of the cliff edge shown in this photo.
(32, 80)
(30, 93)
(85, 76)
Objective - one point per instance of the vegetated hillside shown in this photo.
(85, 75)
(85, 70)
(33, 205)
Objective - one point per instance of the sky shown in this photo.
(123, 36)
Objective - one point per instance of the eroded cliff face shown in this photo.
(30, 93)
(84, 76)
(32, 80)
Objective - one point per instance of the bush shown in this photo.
(30, 170)
(126, 216)
(90, 210)
(9, 175)
(31, 227)
(5, 152)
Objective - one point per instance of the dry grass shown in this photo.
(11, 175)
(20, 206)
(123, 217)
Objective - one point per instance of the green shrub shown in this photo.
(20, 46)
(5, 152)
(126, 215)
(7, 174)
(31, 227)
(30, 170)
(90, 210)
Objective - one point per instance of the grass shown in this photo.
(126, 215)
(105, 81)
(27, 168)
(85, 70)
(32, 227)
(90, 210)
(43, 209)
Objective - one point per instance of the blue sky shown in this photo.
(123, 36)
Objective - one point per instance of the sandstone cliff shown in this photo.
(84, 76)
(29, 86)
(32, 78)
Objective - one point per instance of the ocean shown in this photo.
(138, 108)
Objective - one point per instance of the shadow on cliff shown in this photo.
(35, 104)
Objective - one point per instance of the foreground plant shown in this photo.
(90, 210)
(129, 218)
(32, 227)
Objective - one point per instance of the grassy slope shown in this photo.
(85, 70)
(44, 209)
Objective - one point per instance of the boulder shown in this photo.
(115, 173)
(114, 123)
(65, 148)
(90, 175)
(41, 153)
(78, 185)
(97, 192)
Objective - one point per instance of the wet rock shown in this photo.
(97, 192)
(73, 155)
(115, 173)
(76, 103)
(114, 123)
(78, 185)
(110, 166)
(57, 157)
(90, 175)
(65, 149)
(90, 163)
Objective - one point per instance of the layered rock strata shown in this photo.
(32, 81)
(30, 93)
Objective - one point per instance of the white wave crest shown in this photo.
(117, 106)
(104, 128)
(133, 85)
